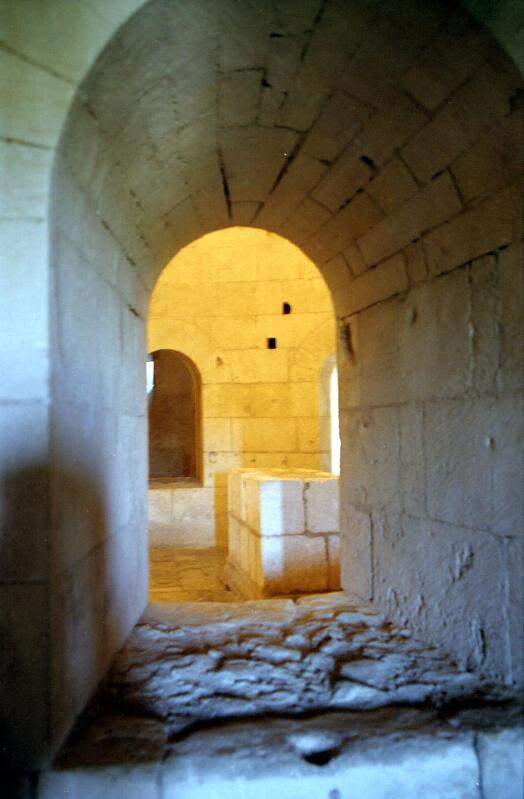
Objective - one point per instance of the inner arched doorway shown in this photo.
(256, 317)
(174, 417)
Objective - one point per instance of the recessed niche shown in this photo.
(286, 308)
(271, 343)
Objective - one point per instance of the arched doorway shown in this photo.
(257, 319)
(174, 401)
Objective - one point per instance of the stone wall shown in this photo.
(182, 514)
(323, 121)
(59, 625)
(98, 456)
(219, 301)
(432, 438)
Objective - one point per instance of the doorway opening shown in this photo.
(174, 417)
(262, 411)
(334, 437)
(329, 413)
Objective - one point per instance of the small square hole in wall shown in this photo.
(271, 343)
(286, 308)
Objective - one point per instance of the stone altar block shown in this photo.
(283, 531)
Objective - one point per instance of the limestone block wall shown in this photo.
(384, 102)
(283, 531)
(63, 608)
(219, 301)
(432, 440)
(183, 514)
(98, 461)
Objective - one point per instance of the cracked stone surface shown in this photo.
(195, 662)
(297, 698)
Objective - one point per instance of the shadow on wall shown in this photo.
(72, 626)
(84, 625)
(24, 678)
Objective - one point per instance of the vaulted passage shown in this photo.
(383, 142)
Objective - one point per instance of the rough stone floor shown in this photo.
(307, 698)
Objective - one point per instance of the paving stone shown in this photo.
(374, 751)
(193, 642)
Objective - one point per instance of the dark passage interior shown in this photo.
(173, 417)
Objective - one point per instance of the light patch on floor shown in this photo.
(188, 575)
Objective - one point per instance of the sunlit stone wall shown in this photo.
(254, 315)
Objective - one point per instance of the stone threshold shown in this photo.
(412, 753)
(304, 698)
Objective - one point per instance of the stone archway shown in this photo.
(414, 230)
(356, 158)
